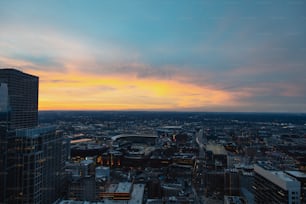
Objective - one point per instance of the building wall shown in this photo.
(22, 98)
(83, 188)
(3, 158)
(36, 176)
(18, 109)
(31, 164)
(267, 192)
(53, 166)
(272, 187)
(231, 183)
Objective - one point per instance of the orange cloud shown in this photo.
(76, 90)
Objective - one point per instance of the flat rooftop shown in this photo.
(81, 140)
(132, 135)
(136, 195)
(124, 187)
(216, 148)
(297, 174)
(171, 127)
(279, 178)
(281, 175)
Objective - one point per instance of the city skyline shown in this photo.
(162, 55)
(145, 157)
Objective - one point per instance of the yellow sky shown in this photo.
(75, 90)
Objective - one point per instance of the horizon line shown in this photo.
(177, 111)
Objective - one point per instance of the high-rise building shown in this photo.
(18, 109)
(3, 140)
(20, 101)
(273, 186)
(37, 174)
(31, 162)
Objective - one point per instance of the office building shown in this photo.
(231, 182)
(31, 164)
(301, 177)
(82, 184)
(273, 186)
(3, 140)
(37, 174)
(19, 103)
(18, 109)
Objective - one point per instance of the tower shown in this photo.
(30, 162)
(21, 101)
(37, 174)
(18, 109)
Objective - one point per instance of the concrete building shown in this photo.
(273, 186)
(82, 185)
(102, 172)
(301, 177)
(231, 182)
(122, 193)
(82, 188)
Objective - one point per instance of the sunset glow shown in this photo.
(156, 55)
(81, 91)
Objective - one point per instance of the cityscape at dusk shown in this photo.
(200, 55)
(145, 157)
(152, 102)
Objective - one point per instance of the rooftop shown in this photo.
(216, 148)
(132, 135)
(281, 175)
(172, 127)
(81, 140)
(234, 200)
(297, 174)
(124, 187)
(279, 178)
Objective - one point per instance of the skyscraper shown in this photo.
(37, 174)
(20, 98)
(3, 139)
(31, 164)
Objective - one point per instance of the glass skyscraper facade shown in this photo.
(3, 138)
(20, 98)
(31, 161)
(38, 173)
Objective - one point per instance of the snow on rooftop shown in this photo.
(124, 187)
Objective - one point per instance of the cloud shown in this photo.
(50, 49)
(194, 56)
(121, 91)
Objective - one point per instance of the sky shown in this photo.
(165, 55)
